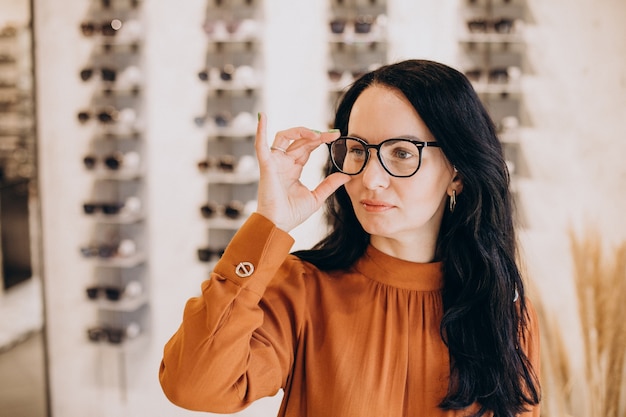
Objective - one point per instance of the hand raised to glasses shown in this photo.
(282, 198)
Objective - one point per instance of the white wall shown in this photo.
(575, 97)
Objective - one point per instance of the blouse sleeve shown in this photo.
(231, 348)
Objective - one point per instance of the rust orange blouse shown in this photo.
(356, 343)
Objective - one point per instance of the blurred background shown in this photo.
(126, 165)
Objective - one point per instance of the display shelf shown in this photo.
(108, 91)
(357, 39)
(127, 345)
(492, 48)
(232, 177)
(103, 174)
(124, 304)
(120, 219)
(121, 262)
(221, 133)
(224, 223)
(492, 38)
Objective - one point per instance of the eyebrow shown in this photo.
(410, 137)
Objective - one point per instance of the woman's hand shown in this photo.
(282, 198)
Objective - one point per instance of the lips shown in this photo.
(375, 206)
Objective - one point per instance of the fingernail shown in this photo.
(258, 116)
(333, 130)
(316, 131)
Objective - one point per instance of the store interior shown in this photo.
(127, 164)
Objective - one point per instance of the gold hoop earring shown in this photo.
(452, 201)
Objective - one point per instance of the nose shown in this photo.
(374, 175)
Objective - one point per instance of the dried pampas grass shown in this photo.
(600, 283)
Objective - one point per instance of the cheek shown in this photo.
(352, 189)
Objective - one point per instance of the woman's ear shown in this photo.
(457, 182)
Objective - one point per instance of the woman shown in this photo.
(411, 306)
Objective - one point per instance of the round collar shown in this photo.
(386, 269)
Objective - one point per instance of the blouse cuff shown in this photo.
(254, 254)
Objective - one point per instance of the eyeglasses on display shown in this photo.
(480, 25)
(113, 334)
(496, 75)
(109, 115)
(208, 254)
(110, 293)
(108, 28)
(114, 293)
(107, 74)
(224, 163)
(400, 157)
(105, 208)
(107, 4)
(105, 334)
(114, 161)
(362, 24)
(232, 210)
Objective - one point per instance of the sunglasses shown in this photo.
(243, 76)
(114, 161)
(108, 28)
(110, 293)
(106, 334)
(362, 25)
(106, 4)
(494, 75)
(105, 208)
(221, 119)
(106, 74)
(99, 251)
(224, 163)
(480, 25)
(114, 293)
(227, 72)
(104, 116)
(207, 254)
(114, 335)
(232, 210)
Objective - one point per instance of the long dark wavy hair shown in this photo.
(482, 326)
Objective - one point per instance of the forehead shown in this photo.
(382, 112)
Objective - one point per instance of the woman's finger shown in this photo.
(260, 144)
(285, 138)
(328, 186)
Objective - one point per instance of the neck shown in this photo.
(412, 250)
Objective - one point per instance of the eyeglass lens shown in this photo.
(400, 157)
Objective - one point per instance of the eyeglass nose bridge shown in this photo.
(369, 146)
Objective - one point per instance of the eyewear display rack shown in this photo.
(17, 154)
(493, 58)
(231, 73)
(357, 43)
(16, 104)
(117, 246)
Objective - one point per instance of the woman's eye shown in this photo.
(356, 151)
(400, 153)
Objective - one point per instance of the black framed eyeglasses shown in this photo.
(400, 157)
